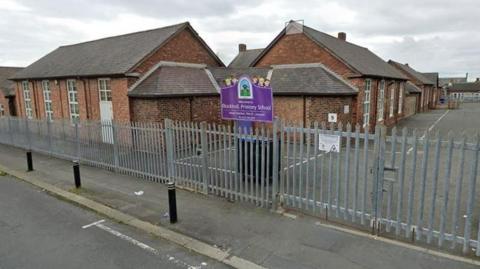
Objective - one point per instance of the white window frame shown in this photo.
(392, 100)
(2, 110)
(47, 99)
(27, 99)
(73, 105)
(381, 100)
(366, 102)
(400, 97)
(104, 90)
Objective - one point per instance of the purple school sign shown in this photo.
(247, 100)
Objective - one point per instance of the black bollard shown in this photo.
(172, 202)
(29, 161)
(76, 174)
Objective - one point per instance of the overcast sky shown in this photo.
(430, 35)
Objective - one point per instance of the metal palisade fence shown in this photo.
(399, 183)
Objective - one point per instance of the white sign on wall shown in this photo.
(346, 109)
(329, 143)
(332, 117)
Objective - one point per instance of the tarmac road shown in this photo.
(40, 231)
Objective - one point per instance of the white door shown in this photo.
(106, 110)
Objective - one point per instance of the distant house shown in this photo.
(443, 82)
(467, 91)
(437, 91)
(7, 91)
(381, 87)
(90, 80)
(420, 80)
(303, 93)
(244, 57)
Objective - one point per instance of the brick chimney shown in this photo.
(242, 47)
(342, 36)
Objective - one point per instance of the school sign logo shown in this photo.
(247, 99)
(245, 90)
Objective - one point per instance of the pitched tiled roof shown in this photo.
(172, 79)
(433, 77)
(6, 85)
(108, 56)
(464, 87)
(245, 58)
(360, 59)
(412, 88)
(411, 72)
(308, 79)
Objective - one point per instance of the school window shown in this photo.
(73, 100)
(47, 100)
(366, 102)
(27, 99)
(400, 98)
(392, 100)
(104, 89)
(381, 100)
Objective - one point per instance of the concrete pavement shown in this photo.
(251, 233)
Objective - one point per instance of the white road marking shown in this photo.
(141, 245)
(93, 224)
(430, 128)
(302, 162)
(128, 239)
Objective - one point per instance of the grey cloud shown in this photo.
(430, 34)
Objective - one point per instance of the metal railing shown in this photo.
(416, 186)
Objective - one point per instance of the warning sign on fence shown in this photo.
(329, 143)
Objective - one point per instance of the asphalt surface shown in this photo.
(249, 232)
(464, 119)
(40, 231)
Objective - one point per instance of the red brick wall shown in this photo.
(197, 109)
(156, 110)
(317, 109)
(290, 109)
(88, 99)
(184, 47)
(206, 109)
(298, 48)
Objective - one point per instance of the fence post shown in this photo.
(27, 132)
(275, 164)
(115, 146)
(77, 141)
(49, 136)
(10, 131)
(204, 143)
(378, 173)
(170, 150)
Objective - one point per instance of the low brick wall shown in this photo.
(301, 110)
